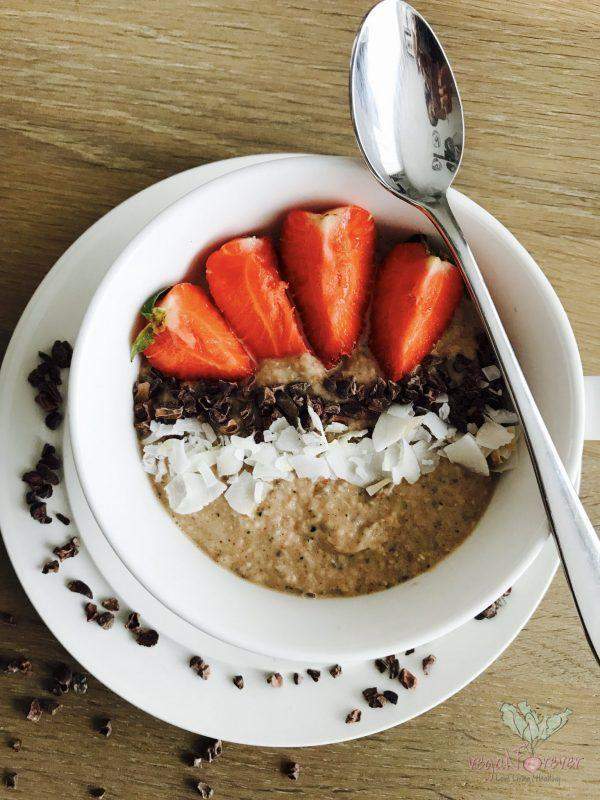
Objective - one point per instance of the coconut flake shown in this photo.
(312, 467)
(501, 416)
(437, 426)
(377, 487)
(240, 494)
(466, 452)
(493, 435)
(189, 493)
(336, 427)
(288, 440)
(230, 460)
(492, 373)
(390, 428)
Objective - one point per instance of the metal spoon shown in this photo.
(409, 124)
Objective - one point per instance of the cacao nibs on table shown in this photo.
(91, 612)
(335, 671)
(98, 792)
(204, 790)
(146, 637)
(292, 770)
(427, 664)
(211, 750)
(63, 677)
(275, 679)
(407, 679)
(51, 707)
(68, 550)
(35, 711)
(79, 683)
(16, 745)
(61, 518)
(238, 681)
(79, 587)
(105, 620)
(10, 779)
(200, 667)
(354, 716)
(6, 618)
(50, 566)
(21, 664)
(133, 622)
(315, 674)
(111, 604)
(105, 728)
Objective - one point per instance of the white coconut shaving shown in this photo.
(198, 465)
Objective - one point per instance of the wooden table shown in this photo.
(97, 101)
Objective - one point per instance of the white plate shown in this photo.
(507, 537)
(158, 680)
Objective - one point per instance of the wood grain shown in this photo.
(99, 100)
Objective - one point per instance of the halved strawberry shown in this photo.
(414, 298)
(245, 283)
(328, 261)
(188, 338)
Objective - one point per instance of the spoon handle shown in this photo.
(575, 536)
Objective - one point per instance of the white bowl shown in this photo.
(179, 574)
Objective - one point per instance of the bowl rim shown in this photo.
(457, 199)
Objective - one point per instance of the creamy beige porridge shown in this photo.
(330, 538)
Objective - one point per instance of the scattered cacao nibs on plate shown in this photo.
(133, 622)
(35, 711)
(297, 678)
(200, 667)
(16, 745)
(98, 792)
(91, 612)
(427, 663)
(354, 716)
(238, 681)
(146, 637)
(335, 671)
(275, 679)
(39, 512)
(407, 679)
(6, 618)
(62, 518)
(390, 696)
(80, 683)
(53, 420)
(79, 587)
(315, 674)
(62, 353)
(111, 604)
(51, 707)
(491, 611)
(50, 566)
(105, 620)
(105, 728)
(393, 666)
(292, 770)
(68, 550)
(204, 790)
(10, 779)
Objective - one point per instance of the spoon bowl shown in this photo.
(407, 111)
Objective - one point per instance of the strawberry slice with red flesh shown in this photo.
(245, 283)
(328, 261)
(414, 299)
(194, 341)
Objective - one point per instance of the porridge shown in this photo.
(334, 435)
